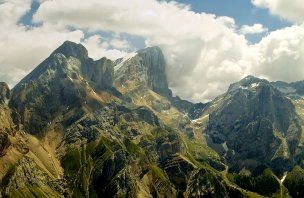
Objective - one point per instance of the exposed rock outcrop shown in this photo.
(294, 90)
(6, 121)
(59, 88)
(210, 185)
(256, 125)
(26, 178)
(146, 67)
(4, 92)
(4, 142)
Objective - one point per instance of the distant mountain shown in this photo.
(78, 127)
(256, 126)
(293, 90)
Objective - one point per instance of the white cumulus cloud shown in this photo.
(254, 29)
(98, 46)
(280, 55)
(292, 10)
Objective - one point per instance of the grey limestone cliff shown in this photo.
(256, 125)
(146, 66)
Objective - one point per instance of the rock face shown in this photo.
(210, 185)
(256, 125)
(27, 179)
(59, 86)
(98, 73)
(146, 70)
(69, 48)
(6, 122)
(146, 67)
(4, 142)
(4, 92)
(194, 110)
(154, 60)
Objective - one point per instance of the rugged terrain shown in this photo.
(78, 127)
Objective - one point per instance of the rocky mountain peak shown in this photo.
(4, 91)
(67, 79)
(71, 61)
(250, 83)
(251, 116)
(147, 67)
(69, 48)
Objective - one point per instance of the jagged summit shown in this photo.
(248, 83)
(69, 48)
(67, 79)
(146, 67)
(71, 61)
(251, 79)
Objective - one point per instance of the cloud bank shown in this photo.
(204, 52)
(292, 9)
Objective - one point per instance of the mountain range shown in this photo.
(78, 127)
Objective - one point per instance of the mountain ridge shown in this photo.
(76, 127)
(253, 107)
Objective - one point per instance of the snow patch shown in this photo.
(225, 147)
(283, 178)
(252, 86)
(199, 120)
(166, 112)
(126, 58)
(196, 121)
(243, 87)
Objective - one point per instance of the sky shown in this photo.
(208, 44)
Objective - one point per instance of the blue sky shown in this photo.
(242, 11)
